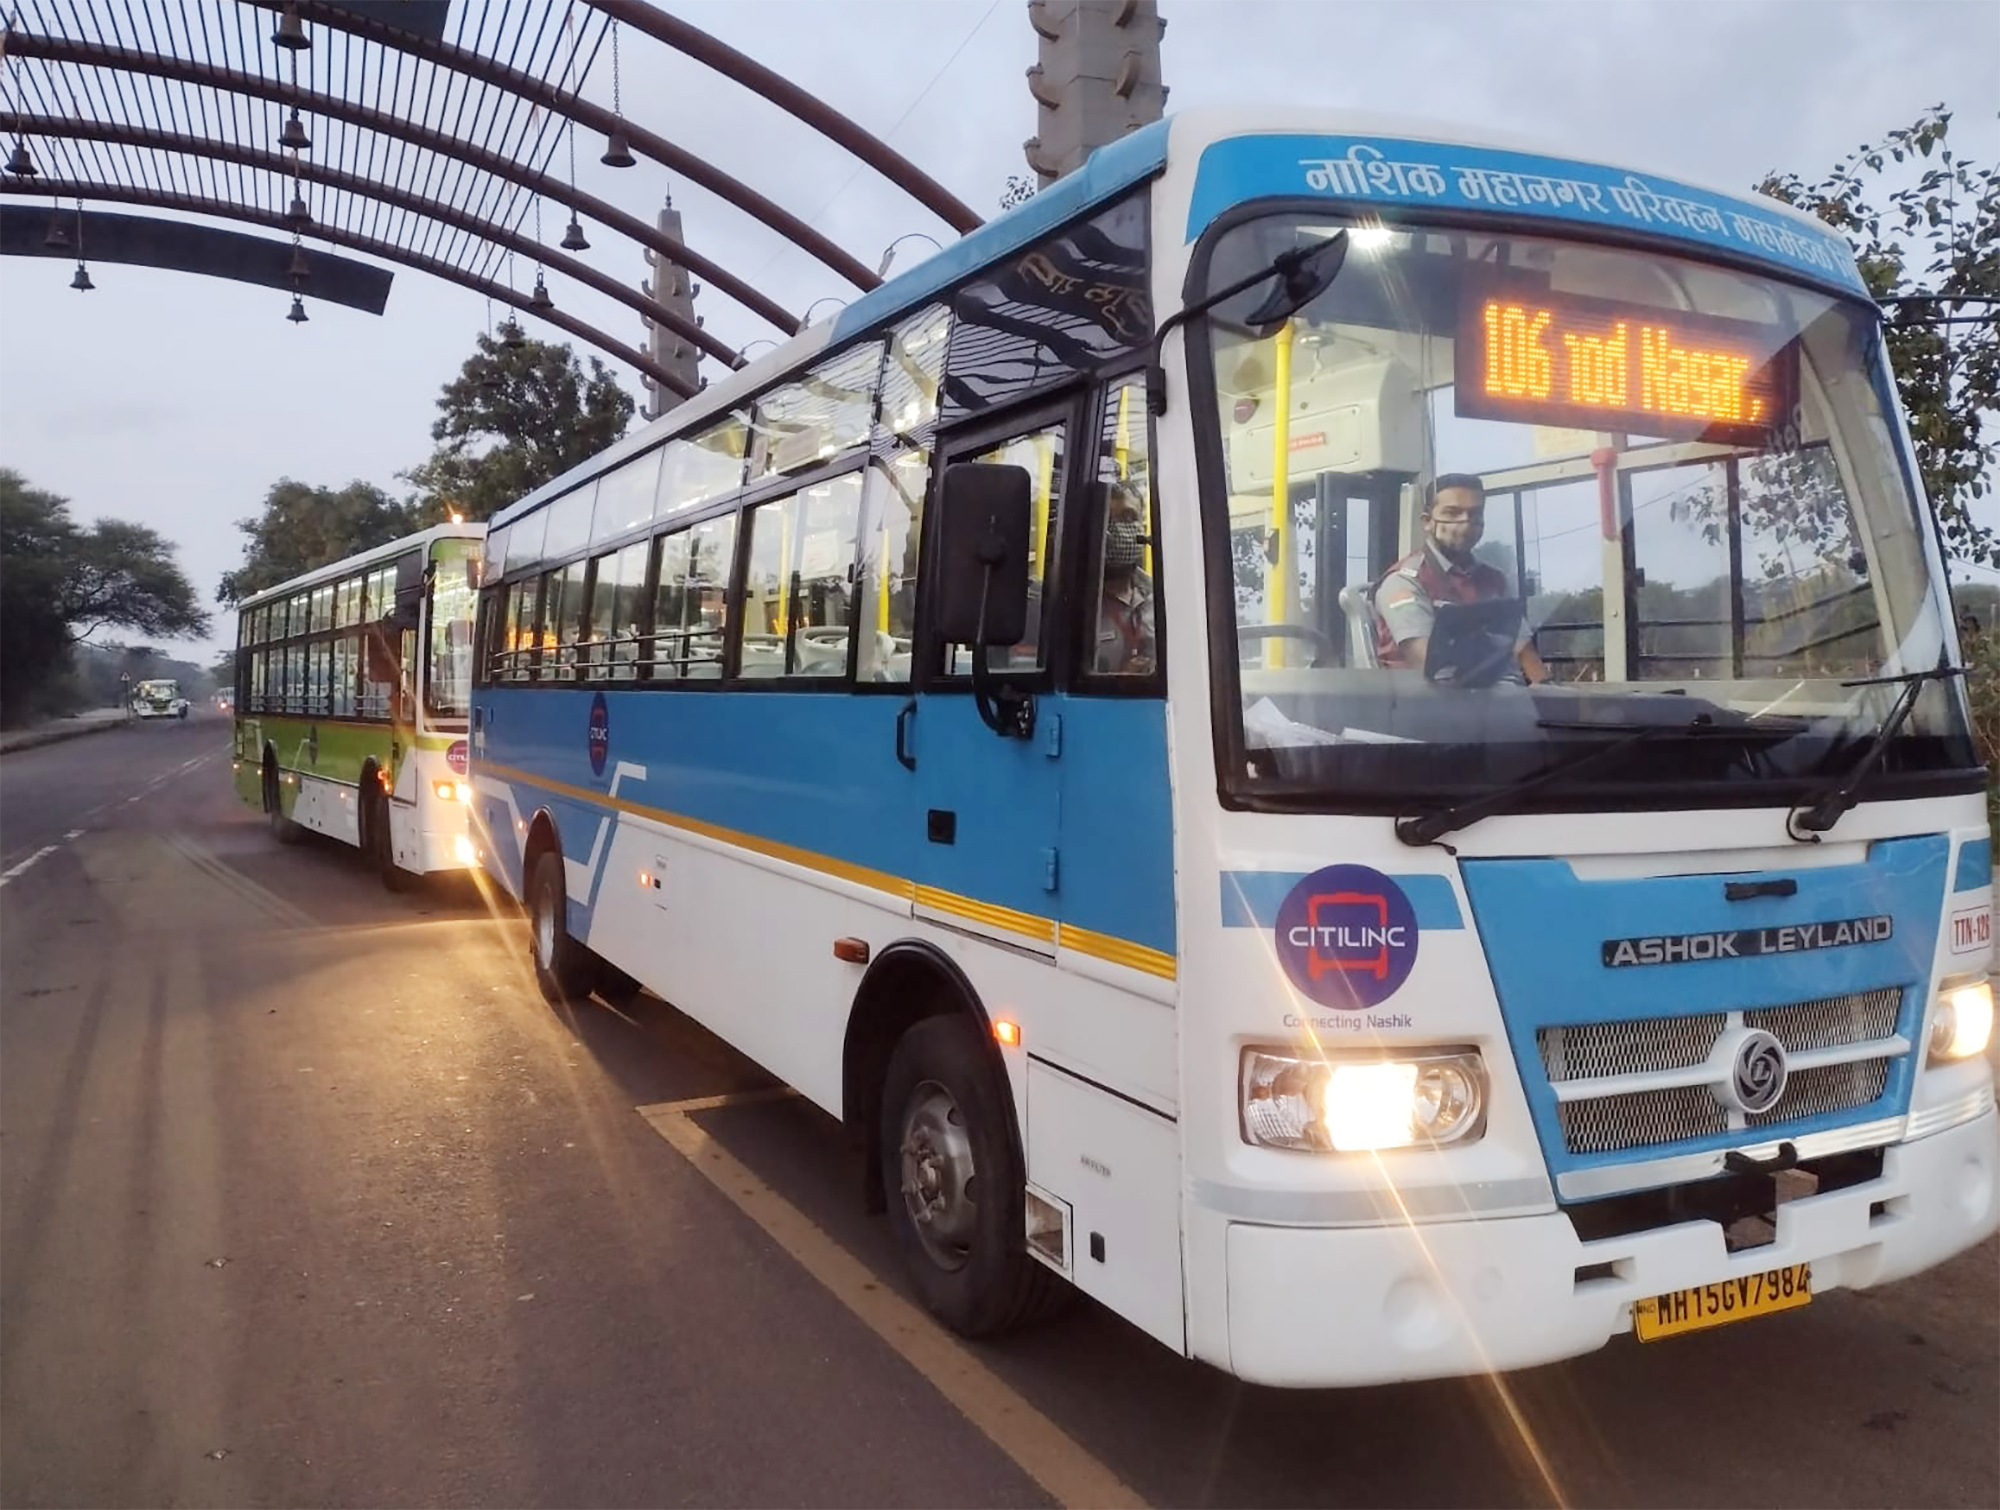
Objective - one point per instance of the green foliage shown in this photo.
(515, 417)
(303, 527)
(1982, 686)
(1930, 250)
(64, 583)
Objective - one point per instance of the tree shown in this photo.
(1930, 252)
(64, 583)
(303, 527)
(514, 417)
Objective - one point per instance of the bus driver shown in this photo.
(1442, 570)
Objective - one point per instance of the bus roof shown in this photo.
(1106, 173)
(347, 564)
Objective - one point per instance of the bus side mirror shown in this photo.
(982, 555)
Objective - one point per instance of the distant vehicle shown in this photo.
(224, 702)
(158, 698)
(350, 699)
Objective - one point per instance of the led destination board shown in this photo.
(1545, 358)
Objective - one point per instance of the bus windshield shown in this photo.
(454, 595)
(1495, 498)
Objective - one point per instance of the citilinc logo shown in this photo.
(600, 734)
(1347, 936)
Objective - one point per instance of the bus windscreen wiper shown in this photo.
(1427, 828)
(1806, 826)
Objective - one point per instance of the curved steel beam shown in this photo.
(782, 92)
(540, 92)
(485, 230)
(186, 71)
(189, 204)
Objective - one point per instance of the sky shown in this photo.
(178, 401)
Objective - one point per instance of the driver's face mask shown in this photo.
(1124, 547)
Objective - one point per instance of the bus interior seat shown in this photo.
(1360, 616)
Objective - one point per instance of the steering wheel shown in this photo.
(1323, 648)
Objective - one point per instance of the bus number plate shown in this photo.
(1702, 1306)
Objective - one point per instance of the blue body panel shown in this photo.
(1975, 865)
(1543, 930)
(1357, 171)
(817, 772)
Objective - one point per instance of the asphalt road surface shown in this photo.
(307, 1199)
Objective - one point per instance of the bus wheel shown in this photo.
(282, 828)
(378, 843)
(563, 967)
(955, 1184)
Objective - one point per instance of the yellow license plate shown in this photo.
(1726, 1300)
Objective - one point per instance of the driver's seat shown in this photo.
(1360, 616)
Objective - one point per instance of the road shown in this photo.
(306, 1198)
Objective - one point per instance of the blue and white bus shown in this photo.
(1461, 839)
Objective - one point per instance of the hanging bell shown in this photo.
(298, 316)
(299, 215)
(617, 149)
(539, 301)
(22, 164)
(291, 32)
(294, 135)
(57, 239)
(510, 335)
(81, 282)
(301, 265)
(573, 237)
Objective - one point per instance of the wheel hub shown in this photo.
(937, 1174)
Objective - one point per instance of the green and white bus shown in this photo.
(351, 694)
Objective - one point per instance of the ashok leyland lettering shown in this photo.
(351, 693)
(1608, 959)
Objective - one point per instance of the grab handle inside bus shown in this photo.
(983, 513)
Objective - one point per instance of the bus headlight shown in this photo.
(1962, 1021)
(1350, 1105)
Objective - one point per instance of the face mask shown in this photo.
(1124, 546)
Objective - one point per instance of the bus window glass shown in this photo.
(346, 602)
(496, 554)
(1074, 302)
(448, 648)
(690, 606)
(797, 595)
(524, 540)
(343, 676)
(526, 618)
(893, 508)
(911, 375)
(621, 583)
(562, 610)
(705, 466)
(1124, 630)
(823, 414)
(625, 497)
(1478, 461)
(602, 617)
(322, 608)
(382, 592)
(569, 522)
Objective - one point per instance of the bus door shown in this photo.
(988, 806)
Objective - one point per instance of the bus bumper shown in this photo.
(1316, 1308)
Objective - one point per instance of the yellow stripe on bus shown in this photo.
(989, 914)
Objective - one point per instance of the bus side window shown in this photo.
(1120, 627)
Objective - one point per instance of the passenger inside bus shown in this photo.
(1442, 570)
(1125, 643)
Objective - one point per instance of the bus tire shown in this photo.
(564, 969)
(955, 1184)
(282, 828)
(378, 840)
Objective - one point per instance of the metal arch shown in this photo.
(718, 55)
(171, 141)
(40, 188)
(694, 169)
(181, 70)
